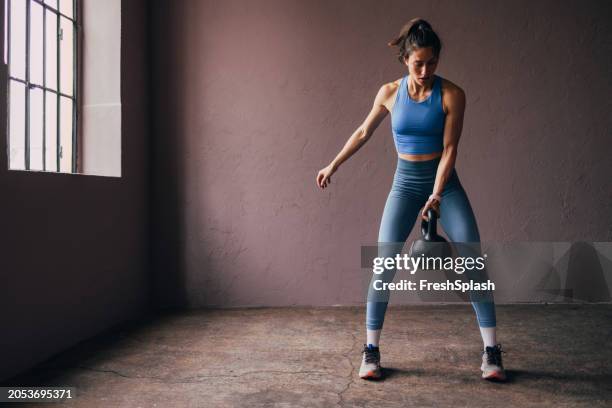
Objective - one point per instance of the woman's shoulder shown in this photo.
(452, 95)
(388, 92)
(390, 89)
(392, 86)
(450, 88)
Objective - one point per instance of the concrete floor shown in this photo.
(557, 355)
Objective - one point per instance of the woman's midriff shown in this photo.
(420, 157)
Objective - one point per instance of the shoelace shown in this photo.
(371, 356)
(494, 355)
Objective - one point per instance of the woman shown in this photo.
(426, 119)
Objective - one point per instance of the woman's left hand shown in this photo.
(433, 204)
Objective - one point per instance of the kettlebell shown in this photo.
(430, 244)
(433, 245)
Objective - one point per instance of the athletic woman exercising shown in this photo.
(426, 120)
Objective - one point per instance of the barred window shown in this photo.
(41, 53)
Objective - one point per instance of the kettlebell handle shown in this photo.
(429, 228)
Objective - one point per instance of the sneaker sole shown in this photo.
(370, 375)
(494, 376)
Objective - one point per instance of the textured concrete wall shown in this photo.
(252, 98)
(75, 247)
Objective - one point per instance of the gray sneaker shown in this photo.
(492, 367)
(370, 364)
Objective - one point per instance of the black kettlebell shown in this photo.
(430, 244)
(433, 245)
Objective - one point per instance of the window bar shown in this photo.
(74, 82)
(44, 62)
(56, 11)
(27, 90)
(33, 85)
(57, 84)
(8, 91)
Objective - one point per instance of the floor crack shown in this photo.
(350, 376)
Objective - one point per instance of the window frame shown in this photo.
(28, 85)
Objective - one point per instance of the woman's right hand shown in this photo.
(324, 176)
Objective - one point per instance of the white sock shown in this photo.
(488, 336)
(373, 337)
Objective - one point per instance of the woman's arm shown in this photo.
(360, 136)
(366, 129)
(453, 125)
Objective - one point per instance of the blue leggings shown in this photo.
(412, 184)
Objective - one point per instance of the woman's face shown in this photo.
(422, 63)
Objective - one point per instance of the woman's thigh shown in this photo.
(456, 214)
(459, 223)
(397, 221)
(398, 217)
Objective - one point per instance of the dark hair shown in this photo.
(417, 33)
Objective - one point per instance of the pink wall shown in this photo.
(253, 98)
(249, 100)
(75, 247)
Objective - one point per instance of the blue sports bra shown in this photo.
(418, 127)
